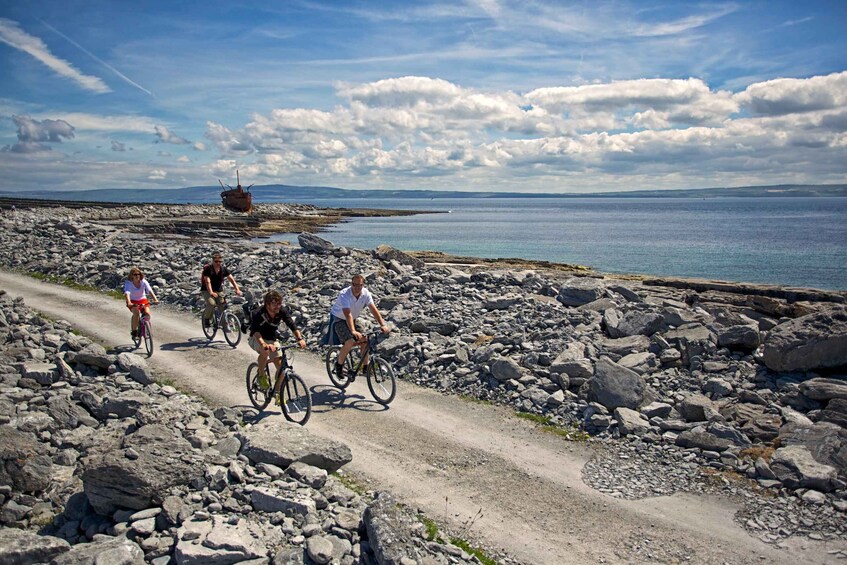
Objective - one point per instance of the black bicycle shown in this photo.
(381, 379)
(288, 388)
(225, 320)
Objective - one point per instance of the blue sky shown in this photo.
(536, 96)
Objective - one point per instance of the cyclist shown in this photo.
(264, 328)
(211, 284)
(347, 307)
(136, 290)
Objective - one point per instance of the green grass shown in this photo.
(70, 283)
(476, 552)
(350, 483)
(432, 534)
(431, 528)
(546, 425)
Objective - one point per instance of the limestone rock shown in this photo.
(614, 386)
(810, 342)
(283, 443)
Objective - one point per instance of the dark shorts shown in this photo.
(342, 331)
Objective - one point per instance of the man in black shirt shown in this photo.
(211, 284)
(264, 329)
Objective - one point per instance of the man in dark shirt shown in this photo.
(264, 329)
(211, 284)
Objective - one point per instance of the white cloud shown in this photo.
(33, 135)
(183, 159)
(164, 135)
(790, 95)
(12, 35)
(395, 129)
(157, 174)
(94, 122)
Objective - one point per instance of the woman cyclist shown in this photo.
(136, 290)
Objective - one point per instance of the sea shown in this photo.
(790, 241)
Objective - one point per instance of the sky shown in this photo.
(493, 95)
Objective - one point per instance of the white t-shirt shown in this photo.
(137, 293)
(347, 300)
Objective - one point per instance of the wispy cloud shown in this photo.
(96, 58)
(94, 122)
(11, 34)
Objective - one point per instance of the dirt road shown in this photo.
(494, 478)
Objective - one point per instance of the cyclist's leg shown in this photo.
(263, 353)
(220, 302)
(363, 348)
(209, 303)
(134, 322)
(346, 337)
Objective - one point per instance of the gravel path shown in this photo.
(525, 495)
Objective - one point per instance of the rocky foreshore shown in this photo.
(716, 388)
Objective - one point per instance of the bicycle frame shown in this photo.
(370, 350)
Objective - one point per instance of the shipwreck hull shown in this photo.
(238, 200)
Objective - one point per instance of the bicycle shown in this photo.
(381, 379)
(292, 394)
(145, 334)
(225, 320)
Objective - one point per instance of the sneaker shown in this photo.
(264, 382)
(207, 323)
(339, 371)
(134, 333)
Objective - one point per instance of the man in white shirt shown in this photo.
(347, 307)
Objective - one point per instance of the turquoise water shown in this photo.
(786, 241)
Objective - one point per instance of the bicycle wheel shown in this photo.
(381, 380)
(147, 332)
(331, 357)
(260, 396)
(295, 399)
(231, 328)
(210, 330)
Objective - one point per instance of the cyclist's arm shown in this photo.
(234, 284)
(289, 321)
(128, 301)
(149, 290)
(375, 311)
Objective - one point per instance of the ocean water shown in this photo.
(786, 241)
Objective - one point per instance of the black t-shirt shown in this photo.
(216, 278)
(269, 327)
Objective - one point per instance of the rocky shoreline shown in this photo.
(696, 386)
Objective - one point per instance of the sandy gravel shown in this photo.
(492, 477)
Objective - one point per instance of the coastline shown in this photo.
(199, 220)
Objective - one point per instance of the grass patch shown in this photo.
(431, 528)
(765, 452)
(546, 425)
(474, 400)
(70, 283)
(351, 484)
(483, 340)
(476, 552)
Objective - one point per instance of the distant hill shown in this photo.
(289, 193)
